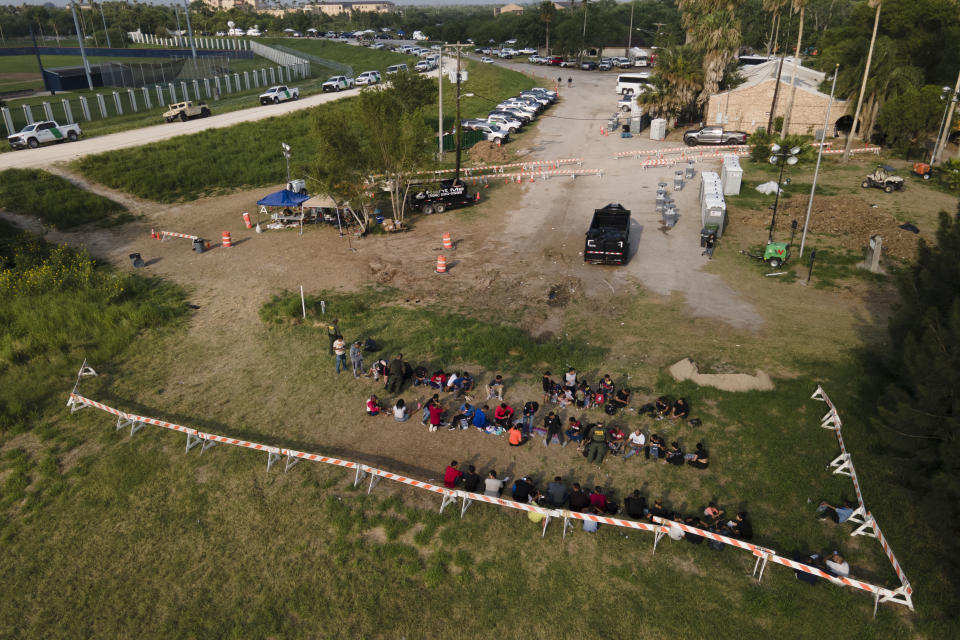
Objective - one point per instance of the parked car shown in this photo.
(555, 61)
(337, 83)
(522, 116)
(278, 94)
(588, 65)
(511, 123)
(527, 51)
(493, 132)
(604, 65)
(486, 60)
(568, 64)
(186, 110)
(367, 78)
(38, 133)
(425, 65)
(397, 68)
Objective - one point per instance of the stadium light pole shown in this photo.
(83, 52)
(783, 157)
(193, 46)
(440, 109)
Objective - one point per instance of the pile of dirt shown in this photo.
(687, 369)
(851, 220)
(487, 152)
(383, 272)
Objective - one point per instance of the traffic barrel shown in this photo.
(225, 240)
(441, 264)
(447, 242)
(246, 220)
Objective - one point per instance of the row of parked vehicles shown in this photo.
(512, 114)
(603, 64)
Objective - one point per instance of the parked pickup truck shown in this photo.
(276, 95)
(337, 83)
(713, 135)
(38, 133)
(608, 239)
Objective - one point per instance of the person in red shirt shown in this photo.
(503, 415)
(436, 415)
(598, 500)
(452, 476)
(373, 406)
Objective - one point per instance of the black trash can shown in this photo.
(198, 245)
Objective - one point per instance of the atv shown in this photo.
(883, 178)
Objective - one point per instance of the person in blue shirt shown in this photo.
(838, 514)
(480, 418)
(464, 418)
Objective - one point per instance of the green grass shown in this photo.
(359, 58)
(243, 155)
(435, 335)
(57, 202)
(59, 308)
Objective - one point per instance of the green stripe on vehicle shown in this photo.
(56, 133)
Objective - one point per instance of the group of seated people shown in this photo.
(579, 393)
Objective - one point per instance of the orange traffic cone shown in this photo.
(225, 241)
(447, 242)
(441, 264)
(246, 220)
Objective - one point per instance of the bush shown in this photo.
(59, 308)
(949, 174)
(58, 202)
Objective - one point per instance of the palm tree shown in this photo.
(801, 5)
(714, 30)
(863, 87)
(547, 11)
(775, 7)
(678, 82)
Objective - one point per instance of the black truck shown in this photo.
(608, 239)
(438, 198)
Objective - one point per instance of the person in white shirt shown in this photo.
(570, 378)
(635, 443)
(837, 565)
(492, 486)
(453, 381)
(400, 413)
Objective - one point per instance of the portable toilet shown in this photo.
(658, 129)
(731, 175)
(709, 184)
(713, 215)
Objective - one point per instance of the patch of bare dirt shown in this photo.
(686, 369)
(850, 219)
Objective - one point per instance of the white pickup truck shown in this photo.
(276, 95)
(337, 83)
(38, 133)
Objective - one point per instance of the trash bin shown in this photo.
(691, 170)
(670, 217)
(678, 181)
(198, 245)
(661, 198)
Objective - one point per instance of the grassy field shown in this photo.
(324, 555)
(57, 202)
(180, 168)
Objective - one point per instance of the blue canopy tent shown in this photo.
(283, 198)
(287, 200)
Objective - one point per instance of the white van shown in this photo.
(396, 68)
(635, 83)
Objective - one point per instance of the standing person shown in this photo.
(452, 475)
(570, 378)
(333, 333)
(395, 374)
(356, 358)
(597, 449)
(552, 424)
(547, 384)
(529, 410)
(340, 352)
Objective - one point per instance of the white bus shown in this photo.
(635, 83)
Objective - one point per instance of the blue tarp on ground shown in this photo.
(283, 198)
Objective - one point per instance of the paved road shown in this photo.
(65, 152)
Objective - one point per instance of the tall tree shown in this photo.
(547, 11)
(714, 30)
(677, 83)
(387, 135)
(863, 87)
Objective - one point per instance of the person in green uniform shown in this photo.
(598, 443)
(333, 333)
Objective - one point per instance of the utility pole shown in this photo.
(440, 109)
(776, 91)
(630, 32)
(46, 85)
(456, 173)
(863, 88)
(105, 32)
(816, 171)
(83, 52)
